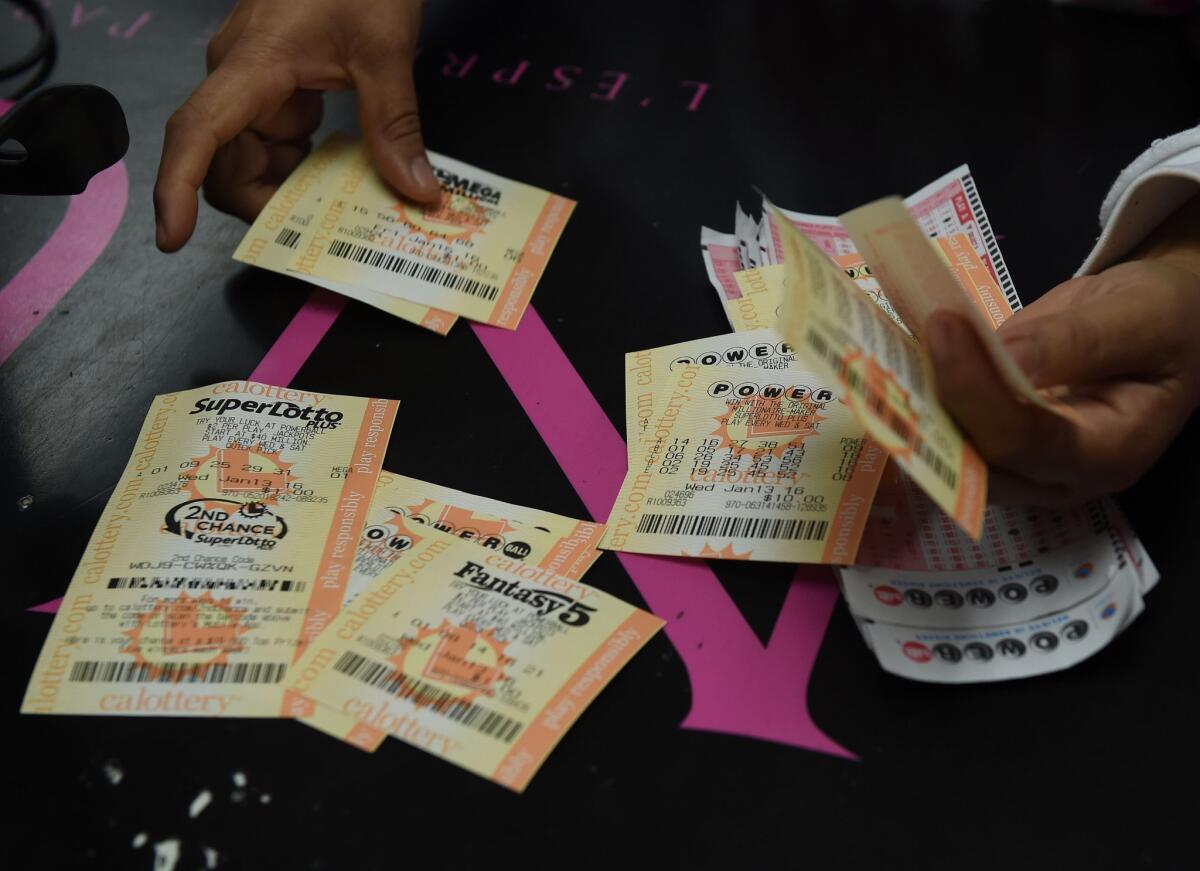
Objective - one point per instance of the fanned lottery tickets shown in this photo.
(887, 378)
(289, 219)
(916, 274)
(757, 461)
(454, 652)
(224, 549)
(479, 252)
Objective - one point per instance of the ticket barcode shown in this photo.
(269, 585)
(883, 410)
(413, 269)
(725, 526)
(123, 671)
(288, 238)
(425, 695)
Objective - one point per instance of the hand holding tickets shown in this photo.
(1038, 590)
(887, 379)
(479, 252)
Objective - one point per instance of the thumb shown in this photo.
(1104, 337)
(387, 113)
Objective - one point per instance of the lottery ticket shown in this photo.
(531, 539)
(759, 461)
(454, 653)
(224, 549)
(886, 378)
(721, 260)
(1022, 649)
(949, 206)
(289, 219)
(479, 252)
(917, 275)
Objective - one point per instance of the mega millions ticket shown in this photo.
(224, 549)
(289, 220)
(756, 461)
(479, 252)
(454, 652)
(887, 378)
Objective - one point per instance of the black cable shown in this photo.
(43, 53)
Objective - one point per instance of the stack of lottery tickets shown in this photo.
(255, 560)
(798, 439)
(478, 253)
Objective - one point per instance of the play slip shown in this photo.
(225, 547)
(457, 653)
(479, 252)
(761, 461)
(287, 223)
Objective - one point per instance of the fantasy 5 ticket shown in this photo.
(458, 652)
(758, 461)
(225, 548)
(479, 252)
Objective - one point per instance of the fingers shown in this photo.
(1095, 337)
(246, 172)
(237, 92)
(295, 121)
(1009, 434)
(387, 109)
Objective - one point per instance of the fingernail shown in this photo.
(422, 174)
(1024, 350)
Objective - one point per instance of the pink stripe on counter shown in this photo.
(738, 686)
(50, 607)
(91, 221)
(299, 338)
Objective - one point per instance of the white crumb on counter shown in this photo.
(199, 803)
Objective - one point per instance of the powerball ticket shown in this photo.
(289, 219)
(455, 655)
(1024, 649)
(887, 379)
(479, 252)
(530, 539)
(740, 462)
(225, 547)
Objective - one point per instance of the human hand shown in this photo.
(247, 126)
(1120, 354)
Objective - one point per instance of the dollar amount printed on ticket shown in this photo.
(226, 547)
